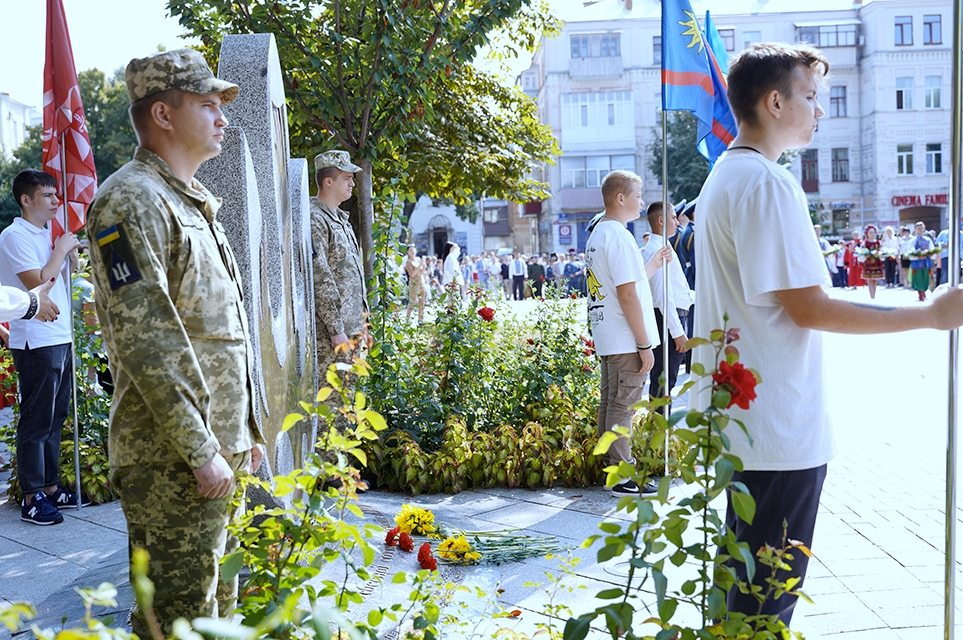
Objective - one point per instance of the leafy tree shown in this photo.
(26, 156)
(111, 134)
(688, 169)
(392, 82)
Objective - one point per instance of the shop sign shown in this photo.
(919, 201)
(565, 234)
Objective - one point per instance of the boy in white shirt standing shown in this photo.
(621, 313)
(41, 351)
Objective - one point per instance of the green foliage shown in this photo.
(688, 169)
(689, 531)
(393, 82)
(112, 138)
(27, 156)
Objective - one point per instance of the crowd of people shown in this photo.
(917, 259)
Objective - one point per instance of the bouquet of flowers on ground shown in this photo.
(460, 546)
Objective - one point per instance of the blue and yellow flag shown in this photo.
(692, 80)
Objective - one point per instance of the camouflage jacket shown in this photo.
(339, 291)
(171, 309)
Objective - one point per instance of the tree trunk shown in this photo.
(366, 217)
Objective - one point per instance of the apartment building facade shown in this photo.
(881, 154)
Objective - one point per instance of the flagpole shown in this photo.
(666, 208)
(955, 209)
(68, 281)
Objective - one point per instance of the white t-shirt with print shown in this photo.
(756, 239)
(612, 258)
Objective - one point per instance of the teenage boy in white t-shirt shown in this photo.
(621, 312)
(41, 351)
(755, 266)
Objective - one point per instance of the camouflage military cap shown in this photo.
(183, 69)
(337, 159)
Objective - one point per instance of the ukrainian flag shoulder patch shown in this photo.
(107, 236)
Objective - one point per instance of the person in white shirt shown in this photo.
(518, 271)
(621, 313)
(41, 351)
(451, 268)
(754, 268)
(680, 301)
(891, 246)
(906, 243)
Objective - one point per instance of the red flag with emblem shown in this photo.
(67, 155)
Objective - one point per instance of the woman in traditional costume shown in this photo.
(920, 261)
(870, 258)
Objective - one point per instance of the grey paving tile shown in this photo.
(822, 586)
(901, 599)
(919, 616)
(872, 566)
(872, 634)
(856, 620)
(901, 579)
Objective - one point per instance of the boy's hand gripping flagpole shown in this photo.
(955, 209)
(67, 156)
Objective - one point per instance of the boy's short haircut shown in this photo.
(28, 181)
(768, 66)
(653, 212)
(616, 182)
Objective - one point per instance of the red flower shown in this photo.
(487, 314)
(738, 381)
(586, 368)
(391, 538)
(530, 341)
(424, 551)
(425, 559)
(587, 351)
(574, 296)
(406, 543)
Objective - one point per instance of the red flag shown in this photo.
(67, 155)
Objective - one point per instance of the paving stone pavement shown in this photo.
(878, 567)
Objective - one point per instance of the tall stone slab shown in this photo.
(266, 216)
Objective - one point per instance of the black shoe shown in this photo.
(627, 487)
(650, 487)
(40, 511)
(64, 498)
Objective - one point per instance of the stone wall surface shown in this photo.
(265, 213)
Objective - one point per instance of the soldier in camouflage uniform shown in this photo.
(339, 290)
(169, 300)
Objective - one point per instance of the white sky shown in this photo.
(106, 34)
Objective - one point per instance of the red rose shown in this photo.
(391, 538)
(406, 543)
(425, 559)
(430, 564)
(530, 341)
(487, 313)
(738, 381)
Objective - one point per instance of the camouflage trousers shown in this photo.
(186, 537)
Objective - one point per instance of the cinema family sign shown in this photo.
(919, 201)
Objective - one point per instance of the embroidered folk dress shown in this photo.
(920, 267)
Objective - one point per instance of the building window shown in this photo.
(596, 109)
(932, 96)
(904, 30)
(932, 30)
(904, 94)
(657, 50)
(934, 158)
(728, 38)
(810, 171)
(596, 46)
(904, 159)
(588, 171)
(490, 215)
(833, 35)
(837, 102)
(840, 165)
(750, 37)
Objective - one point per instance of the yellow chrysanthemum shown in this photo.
(415, 520)
(457, 550)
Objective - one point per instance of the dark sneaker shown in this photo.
(650, 487)
(627, 487)
(40, 511)
(64, 498)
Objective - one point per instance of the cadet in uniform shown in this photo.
(339, 290)
(169, 300)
